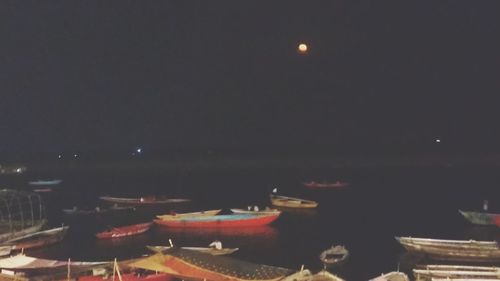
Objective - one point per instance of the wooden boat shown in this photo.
(75, 211)
(392, 276)
(21, 262)
(458, 250)
(480, 218)
(143, 201)
(306, 275)
(260, 212)
(334, 255)
(452, 272)
(38, 239)
(132, 276)
(291, 202)
(232, 220)
(207, 250)
(326, 185)
(37, 225)
(188, 215)
(45, 182)
(186, 264)
(123, 231)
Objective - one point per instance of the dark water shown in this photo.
(381, 203)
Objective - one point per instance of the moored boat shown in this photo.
(458, 250)
(392, 276)
(188, 215)
(132, 276)
(480, 218)
(123, 231)
(326, 185)
(292, 202)
(187, 264)
(334, 255)
(207, 250)
(266, 211)
(143, 201)
(45, 182)
(37, 239)
(306, 275)
(452, 272)
(232, 220)
(97, 210)
(22, 263)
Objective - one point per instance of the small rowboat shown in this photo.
(392, 276)
(143, 201)
(45, 182)
(334, 255)
(457, 250)
(125, 231)
(77, 212)
(38, 239)
(232, 220)
(457, 272)
(326, 185)
(291, 202)
(176, 216)
(306, 275)
(480, 218)
(130, 277)
(207, 250)
(263, 212)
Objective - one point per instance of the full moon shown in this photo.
(302, 48)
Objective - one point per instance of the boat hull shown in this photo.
(188, 215)
(206, 250)
(319, 185)
(290, 202)
(470, 251)
(142, 201)
(221, 221)
(39, 239)
(480, 218)
(130, 230)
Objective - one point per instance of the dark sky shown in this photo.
(111, 75)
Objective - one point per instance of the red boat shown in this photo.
(232, 220)
(123, 231)
(130, 277)
(326, 185)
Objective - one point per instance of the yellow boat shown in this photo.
(176, 216)
(291, 202)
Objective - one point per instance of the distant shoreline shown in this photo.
(271, 162)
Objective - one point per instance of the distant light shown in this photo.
(139, 150)
(59, 156)
(438, 140)
(19, 170)
(75, 155)
(302, 48)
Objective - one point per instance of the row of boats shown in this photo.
(468, 251)
(165, 264)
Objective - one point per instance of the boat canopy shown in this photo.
(19, 212)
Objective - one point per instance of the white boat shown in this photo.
(207, 250)
(266, 211)
(45, 182)
(455, 272)
(392, 276)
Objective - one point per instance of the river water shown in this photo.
(381, 203)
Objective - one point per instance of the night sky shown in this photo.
(163, 75)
